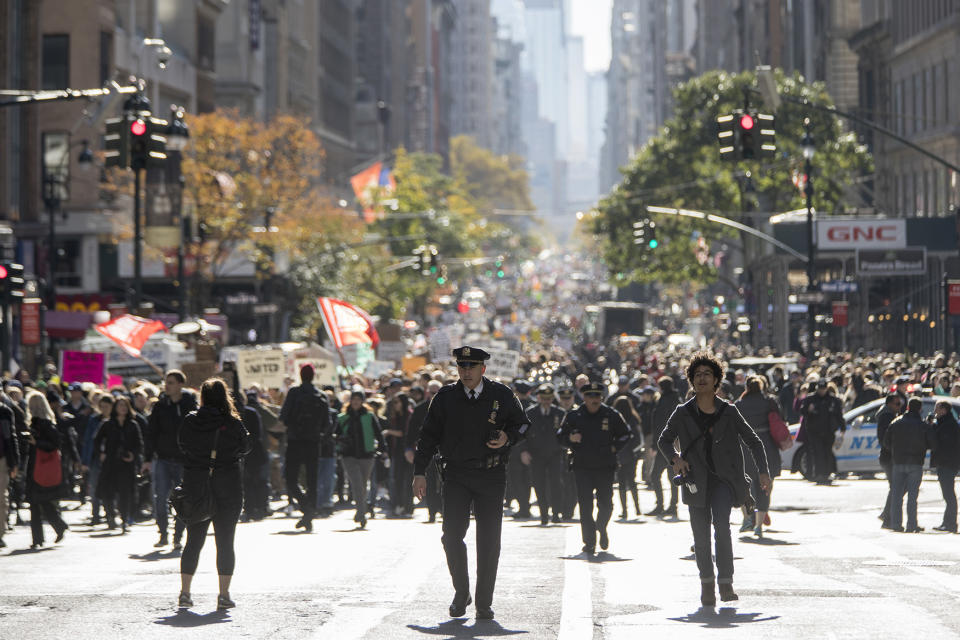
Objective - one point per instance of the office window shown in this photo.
(56, 164)
(945, 90)
(55, 73)
(898, 108)
(106, 49)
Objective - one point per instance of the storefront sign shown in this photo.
(840, 309)
(30, 322)
(901, 262)
(953, 297)
(847, 234)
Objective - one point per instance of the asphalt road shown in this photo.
(825, 569)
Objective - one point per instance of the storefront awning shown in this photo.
(68, 325)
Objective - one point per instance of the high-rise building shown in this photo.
(471, 64)
(429, 94)
(545, 55)
(507, 100)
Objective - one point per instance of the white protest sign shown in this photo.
(440, 345)
(324, 371)
(503, 364)
(377, 368)
(266, 367)
(390, 351)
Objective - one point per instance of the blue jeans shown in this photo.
(906, 479)
(717, 513)
(326, 477)
(166, 475)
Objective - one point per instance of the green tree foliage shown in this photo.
(491, 181)
(681, 168)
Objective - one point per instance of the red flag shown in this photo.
(130, 332)
(347, 324)
(370, 185)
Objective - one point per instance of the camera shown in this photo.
(683, 481)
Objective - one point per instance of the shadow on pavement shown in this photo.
(106, 534)
(769, 542)
(187, 618)
(551, 525)
(458, 628)
(291, 533)
(724, 618)
(155, 555)
(20, 552)
(634, 521)
(603, 556)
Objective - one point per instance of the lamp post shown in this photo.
(177, 137)
(806, 144)
(52, 186)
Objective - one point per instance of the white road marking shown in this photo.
(576, 616)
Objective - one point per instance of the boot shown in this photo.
(636, 500)
(727, 593)
(707, 596)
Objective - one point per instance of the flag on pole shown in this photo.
(130, 331)
(371, 186)
(346, 323)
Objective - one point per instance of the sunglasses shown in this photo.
(467, 365)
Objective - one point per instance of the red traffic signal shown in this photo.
(138, 127)
(3, 272)
(746, 122)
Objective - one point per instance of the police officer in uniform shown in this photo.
(567, 402)
(473, 424)
(822, 415)
(519, 481)
(544, 455)
(595, 432)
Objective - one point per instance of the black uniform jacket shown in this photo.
(603, 434)
(459, 427)
(541, 439)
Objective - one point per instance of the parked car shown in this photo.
(860, 449)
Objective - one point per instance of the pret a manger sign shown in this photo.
(847, 234)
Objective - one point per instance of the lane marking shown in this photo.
(576, 614)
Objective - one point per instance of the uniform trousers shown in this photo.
(821, 446)
(483, 489)
(4, 495)
(547, 474)
(518, 483)
(590, 482)
(946, 476)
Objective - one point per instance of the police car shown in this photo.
(859, 451)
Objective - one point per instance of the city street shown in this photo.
(825, 569)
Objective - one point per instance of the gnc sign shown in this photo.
(847, 234)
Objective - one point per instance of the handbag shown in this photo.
(47, 469)
(194, 507)
(778, 429)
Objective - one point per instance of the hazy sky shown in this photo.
(591, 19)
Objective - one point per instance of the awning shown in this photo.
(68, 325)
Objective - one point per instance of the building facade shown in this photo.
(472, 70)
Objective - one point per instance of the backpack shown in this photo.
(312, 415)
(47, 471)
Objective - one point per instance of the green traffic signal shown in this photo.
(441, 280)
(500, 273)
(653, 244)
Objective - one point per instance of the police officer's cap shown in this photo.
(592, 387)
(470, 354)
(521, 386)
(546, 389)
(565, 392)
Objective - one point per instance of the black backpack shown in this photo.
(311, 415)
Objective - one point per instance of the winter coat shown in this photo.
(116, 442)
(306, 412)
(946, 448)
(359, 434)
(47, 438)
(160, 437)
(196, 439)
(755, 408)
(726, 454)
(908, 439)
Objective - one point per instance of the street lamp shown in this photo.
(807, 146)
(53, 184)
(177, 137)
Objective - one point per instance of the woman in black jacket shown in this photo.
(946, 458)
(120, 444)
(216, 420)
(43, 500)
(627, 456)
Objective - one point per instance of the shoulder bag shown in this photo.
(193, 507)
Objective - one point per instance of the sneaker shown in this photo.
(758, 532)
(184, 602)
(224, 602)
(61, 533)
(747, 525)
(671, 512)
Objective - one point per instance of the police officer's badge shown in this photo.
(466, 352)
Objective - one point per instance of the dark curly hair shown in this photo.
(705, 359)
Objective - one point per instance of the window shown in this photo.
(898, 108)
(106, 48)
(56, 165)
(56, 62)
(945, 91)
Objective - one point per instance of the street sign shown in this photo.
(892, 262)
(839, 286)
(30, 321)
(811, 297)
(953, 297)
(840, 313)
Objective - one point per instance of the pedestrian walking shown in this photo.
(567, 401)
(756, 407)
(908, 439)
(120, 445)
(399, 410)
(9, 462)
(213, 442)
(306, 413)
(473, 424)
(821, 416)
(360, 441)
(433, 497)
(90, 456)
(544, 455)
(664, 408)
(946, 459)
(709, 462)
(162, 457)
(886, 415)
(595, 432)
(44, 472)
(628, 456)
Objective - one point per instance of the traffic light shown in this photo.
(11, 276)
(117, 141)
(147, 142)
(767, 142)
(156, 141)
(442, 275)
(748, 140)
(726, 137)
(645, 234)
(498, 266)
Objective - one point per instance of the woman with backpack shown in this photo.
(120, 444)
(44, 470)
(214, 442)
(360, 440)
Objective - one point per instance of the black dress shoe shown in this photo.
(484, 613)
(945, 528)
(544, 520)
(604, 540)
(655, 511)
(671, 512)
(556, 518)
(458, 610)
(590, 549)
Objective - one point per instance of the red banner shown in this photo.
(130, 331)
(953, 297)
(346, 323)
(840, 309)
(29, 323)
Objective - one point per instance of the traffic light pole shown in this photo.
(137, 243)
